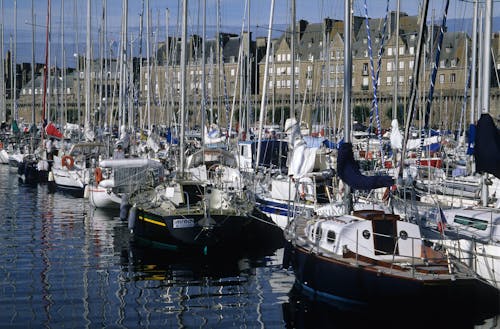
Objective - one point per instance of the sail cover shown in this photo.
(487, 146)
(348, 171)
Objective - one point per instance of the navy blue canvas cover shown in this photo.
(487, 146)
(348, 171)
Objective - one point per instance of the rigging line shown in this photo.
(375, 78)
(432, 83)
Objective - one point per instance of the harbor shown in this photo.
(275, 183)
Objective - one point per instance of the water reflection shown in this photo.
(162, 287)
(302, 312)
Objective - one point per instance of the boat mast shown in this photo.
(203, 75)
(264, 86)
(2, 70)
(33, 122)
(45, 69)
(396, 68)
(347, 90)
(474, 63)
(292, 50)
(414, 85)
(183, 87)
(486, 81)
(87, 69)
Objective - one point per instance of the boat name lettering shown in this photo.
(183, 222)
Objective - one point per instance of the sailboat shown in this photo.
(207, 206)
(370, 257)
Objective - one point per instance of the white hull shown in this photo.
(70, 179)
(100, 197)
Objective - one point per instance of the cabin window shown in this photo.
(330, 237)
(471, 222)
(317, 233)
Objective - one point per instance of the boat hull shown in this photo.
(103, 198)
(198, 234)
(333, 280)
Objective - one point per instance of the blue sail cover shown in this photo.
(348, 171)
(487, 146)
(472, 137)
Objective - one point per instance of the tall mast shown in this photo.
(148, 63)
(46, 68)
(486, 81)
(87, 68)
(264, 86)
(414, 83)
(14, 66)
(396, 69)
(203, 75)
(474, 63)
(292, 50)
(33, 18)
(347, 88)
(183, 86)
(3, 116)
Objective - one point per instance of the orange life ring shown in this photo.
(98, 175)
(68, 161)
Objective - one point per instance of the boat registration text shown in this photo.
(183, 222)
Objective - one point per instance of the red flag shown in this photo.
(52, 130)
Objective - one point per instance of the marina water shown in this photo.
(64, 265)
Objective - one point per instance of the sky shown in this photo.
(233, 15)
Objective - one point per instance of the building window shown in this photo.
(389, 51)
(453, 78)
(401, 79)
(411, 63)
(278, 59)
(389, 81)
(288, 57)
(453, 63)
(365, 82)
(412, 50)
(401, 50)
(442, 63)
(389, 66)
(232, 72)
(441, 78)
(401, 65)
(365, 68)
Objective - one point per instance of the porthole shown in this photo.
(403, 235)
(366, 234)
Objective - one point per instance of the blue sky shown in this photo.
(232, 14)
